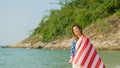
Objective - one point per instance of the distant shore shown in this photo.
(64, 45)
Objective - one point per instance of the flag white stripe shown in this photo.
(89, 57)
(77, 53)
(84, 53)
(95, 61)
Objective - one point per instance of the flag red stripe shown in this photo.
(71, 60)
(86, 56)
(98, 63)
(82, 50)
(103, 66)
(92, 59)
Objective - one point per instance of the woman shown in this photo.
(84, 54)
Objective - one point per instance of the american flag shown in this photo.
(86, 55)
(73, 48)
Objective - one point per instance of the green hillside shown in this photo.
(57, 25)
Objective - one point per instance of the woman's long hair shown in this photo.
(74, 36)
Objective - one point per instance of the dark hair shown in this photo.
(80, 28)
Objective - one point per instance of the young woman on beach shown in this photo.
(83, 53)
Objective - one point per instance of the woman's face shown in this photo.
(76, 31)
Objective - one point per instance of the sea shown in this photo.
(45, 58)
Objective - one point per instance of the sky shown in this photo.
(19, 17)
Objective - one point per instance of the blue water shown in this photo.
(33, 58)
(37, 58)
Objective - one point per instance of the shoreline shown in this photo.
(62, 48)
(63, 45)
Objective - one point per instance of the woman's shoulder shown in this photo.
(73, 40)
